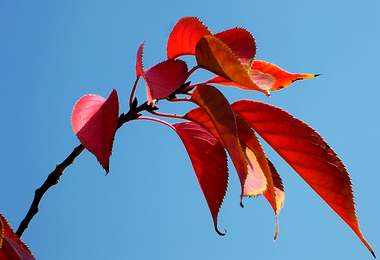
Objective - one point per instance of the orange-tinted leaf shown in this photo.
(95, 121)
(241, 43)
(218, 118)
(11, 246)
(259, 177)
(264, 70)
(209, 161)
(215, 56)
(185, 36)
(266, 76)
(256, 183)
(165, 78)
(274, 190)
(279, 194)
(307, 153)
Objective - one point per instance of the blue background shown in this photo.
(150, 205)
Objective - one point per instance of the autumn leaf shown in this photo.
(259, 177)
(241, 43)
(11, 246)
(95, 121)
(282, 78)
(307, 153)
(214, 55)
(215, 114)
(271, 185)
(185, 36)
(267, 76)
(162, 79)
(209, 161)
(279, 194)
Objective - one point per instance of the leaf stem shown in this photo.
(157, 120)
(133, 91)
(167, 115)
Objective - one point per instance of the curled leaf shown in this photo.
(241, 43)
(95, 121)
(214, 55)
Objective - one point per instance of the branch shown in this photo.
(51, 180)
(55, 175)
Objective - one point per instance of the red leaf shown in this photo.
(217, 117)
(11, 246)
(209, 161)
(185, 36)
(215, 56)
(259, 177)
(95, 121)
(162, 79)
(165, 78)
(307, 153)
(139, 61)
(282, 79)
(279, 194)
(266, 76)
(241, 43)
(255, 183)
(273, 185)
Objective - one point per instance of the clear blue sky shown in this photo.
(150, 205)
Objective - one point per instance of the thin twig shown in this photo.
(51, 180)
(55, 175)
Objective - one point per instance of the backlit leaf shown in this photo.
(215, 56)
(259, 177)
(282, 78)
(209, 161)
(217, 117)
(307, 153)
(279, 194)
(95, 121)
(139, 61)
(241, 43)
(273, 185)
(265, 75)
(185, 36)
(165, 78)
(11, 246)
(162, 79)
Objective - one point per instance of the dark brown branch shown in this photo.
(51, 180)
(54, 176)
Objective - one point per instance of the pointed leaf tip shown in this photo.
(220, 233)
(307, 153)
(95, 121)
(281, 78)
(209, 162)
